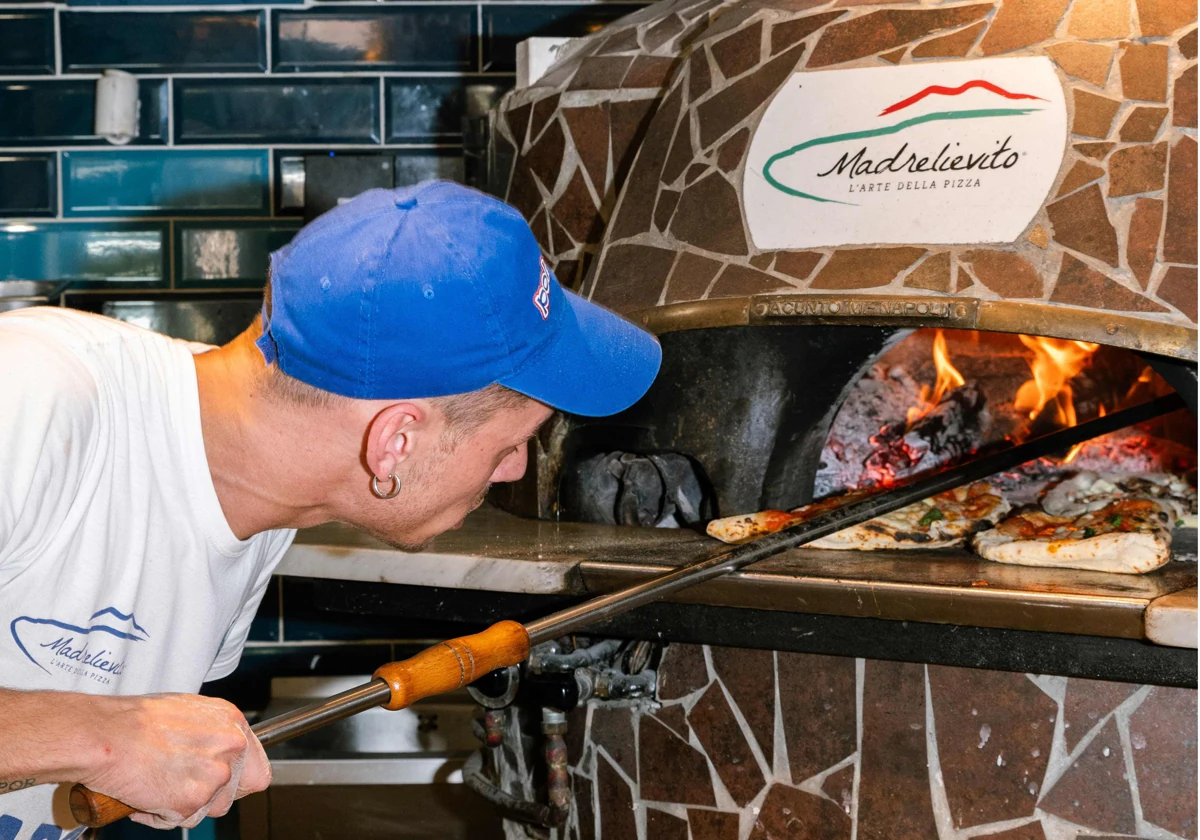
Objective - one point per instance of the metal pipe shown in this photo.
(725, 559)
(510, 807)
(543, 661)
(316, 715)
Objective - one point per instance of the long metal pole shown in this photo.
(315, 715)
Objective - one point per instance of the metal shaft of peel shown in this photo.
(730, 558)
(316, 715)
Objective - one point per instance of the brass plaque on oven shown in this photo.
(884, 310)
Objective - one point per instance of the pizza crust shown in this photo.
(1124, 553)
(960, 513)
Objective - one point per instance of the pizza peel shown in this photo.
(457, 662)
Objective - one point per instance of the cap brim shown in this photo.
(598, 364)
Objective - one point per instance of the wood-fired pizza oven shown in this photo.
(785, 190)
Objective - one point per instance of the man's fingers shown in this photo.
(256, 772)
(163, 820)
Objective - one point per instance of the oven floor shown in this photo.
(498, 552)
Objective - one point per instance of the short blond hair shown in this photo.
(464, 413)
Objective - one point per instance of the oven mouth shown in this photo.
(747, 406)
(1132, 332)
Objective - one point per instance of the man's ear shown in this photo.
(390, 437)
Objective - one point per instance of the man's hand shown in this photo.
(177, 758)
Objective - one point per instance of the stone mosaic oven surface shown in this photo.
(761, 745)
(631, 151)
(629, 159)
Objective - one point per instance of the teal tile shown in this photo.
(91, 254)
(224, 254)
(154, 182)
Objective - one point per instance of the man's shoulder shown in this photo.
(43, 352)
(51, 347)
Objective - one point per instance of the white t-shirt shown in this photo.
(118, 571)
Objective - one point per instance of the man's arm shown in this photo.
(177, 758)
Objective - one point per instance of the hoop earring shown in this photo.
(391, 494)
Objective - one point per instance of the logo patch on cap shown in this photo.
(541, 298)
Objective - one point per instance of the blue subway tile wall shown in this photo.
(507, 24)
(89, 254)
(430, 109)
(233, 98)
(152, 42)
(372, 38)
(220, 254)
(27, 41)
(61, 112)
(279, 110)
(152, 182)
(28, 184)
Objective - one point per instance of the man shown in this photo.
(411, 342)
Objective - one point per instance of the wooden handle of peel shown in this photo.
(436, 670)
(454, 663)
(95, 809)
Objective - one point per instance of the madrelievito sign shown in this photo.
(941, 153)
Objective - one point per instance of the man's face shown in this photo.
(449, 478)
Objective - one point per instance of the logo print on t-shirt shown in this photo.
(90, 651)
(541, 298)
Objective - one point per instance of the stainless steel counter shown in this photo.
(497, 552)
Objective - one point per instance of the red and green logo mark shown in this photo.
(857, 164)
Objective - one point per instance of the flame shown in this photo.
(948, 378)
(1146, 377)
(1055, 362)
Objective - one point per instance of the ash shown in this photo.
(872, 444)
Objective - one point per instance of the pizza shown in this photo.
(1089, 491)
(944, 520)
(1129, 536)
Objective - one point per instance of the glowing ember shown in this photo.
(948, 378)
(1055, 362)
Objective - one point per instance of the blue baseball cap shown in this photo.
(439, 289)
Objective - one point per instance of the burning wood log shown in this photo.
(950, 430)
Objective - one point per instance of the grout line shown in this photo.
(279, 586)
(860, 679)
(170, 112)
(383, 113)
(479, 38)
(170, 266)
(58, 182)
(267, 34)
(57, 43)
(943, 820)
(271, 183)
